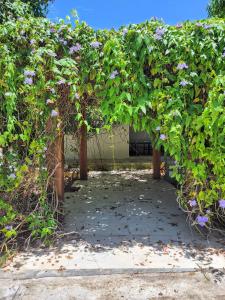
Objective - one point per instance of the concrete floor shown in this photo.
(121, 223)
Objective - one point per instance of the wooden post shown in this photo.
(156, 163)
(83, 148)
(59, 172)
(55, 161)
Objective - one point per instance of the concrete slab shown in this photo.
(124, 222)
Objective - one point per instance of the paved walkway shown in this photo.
(123, 223)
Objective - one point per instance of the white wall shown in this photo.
(107, 145)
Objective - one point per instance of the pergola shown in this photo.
(58, 163)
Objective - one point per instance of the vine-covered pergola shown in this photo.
(60, 78)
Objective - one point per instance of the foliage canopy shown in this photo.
(167, 80)
(12, 9)
(216, 8)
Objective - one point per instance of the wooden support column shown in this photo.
(83, 148)
(156, 164)
(55, 161)
(59, 172)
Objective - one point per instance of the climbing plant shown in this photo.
(167, 80)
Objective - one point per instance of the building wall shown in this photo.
(108, 145)
(136, 137)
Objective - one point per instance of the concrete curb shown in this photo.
(97, 272)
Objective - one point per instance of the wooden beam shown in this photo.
(156, 160)
(59, 161)
(55, 161)
(83, 148)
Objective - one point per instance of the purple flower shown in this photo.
(52, 30)
(223, 55)
(32, 41)
(8, 227)
(201, 220)
(61, 81)
(160, 31)
(192, 203)
(95, 44)
(75, 48)
(207, 26)
(179, 26)
(125, 31)
(64, 42)
(182, 66)
(222, 203)
(158, 37)
(184, 83)
(114, 74)
(199, 24)
(29, 73)
(54, 113)
(28, 80)
(12, 176)
(163, 137)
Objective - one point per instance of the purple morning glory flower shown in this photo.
(159, 33)
(125, 31)
(182, 66)
(54, 113)
(222, 203)
(75, 48)
(201, 220)
(28, 80)
(64, 42)
(192, 203)
(184, 83)
(8, 227)
(95, 44)
(163, 137)
(114, 74)
(29, 73)
(32, 41)
(199, 24)
(52, 30)
(179, 25)
(61, 81)
(158, 37)
(12, 176)
(207, 26)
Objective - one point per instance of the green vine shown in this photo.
(167, 80)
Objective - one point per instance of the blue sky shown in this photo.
(114, 13)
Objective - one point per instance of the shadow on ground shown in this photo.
(125, 221)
